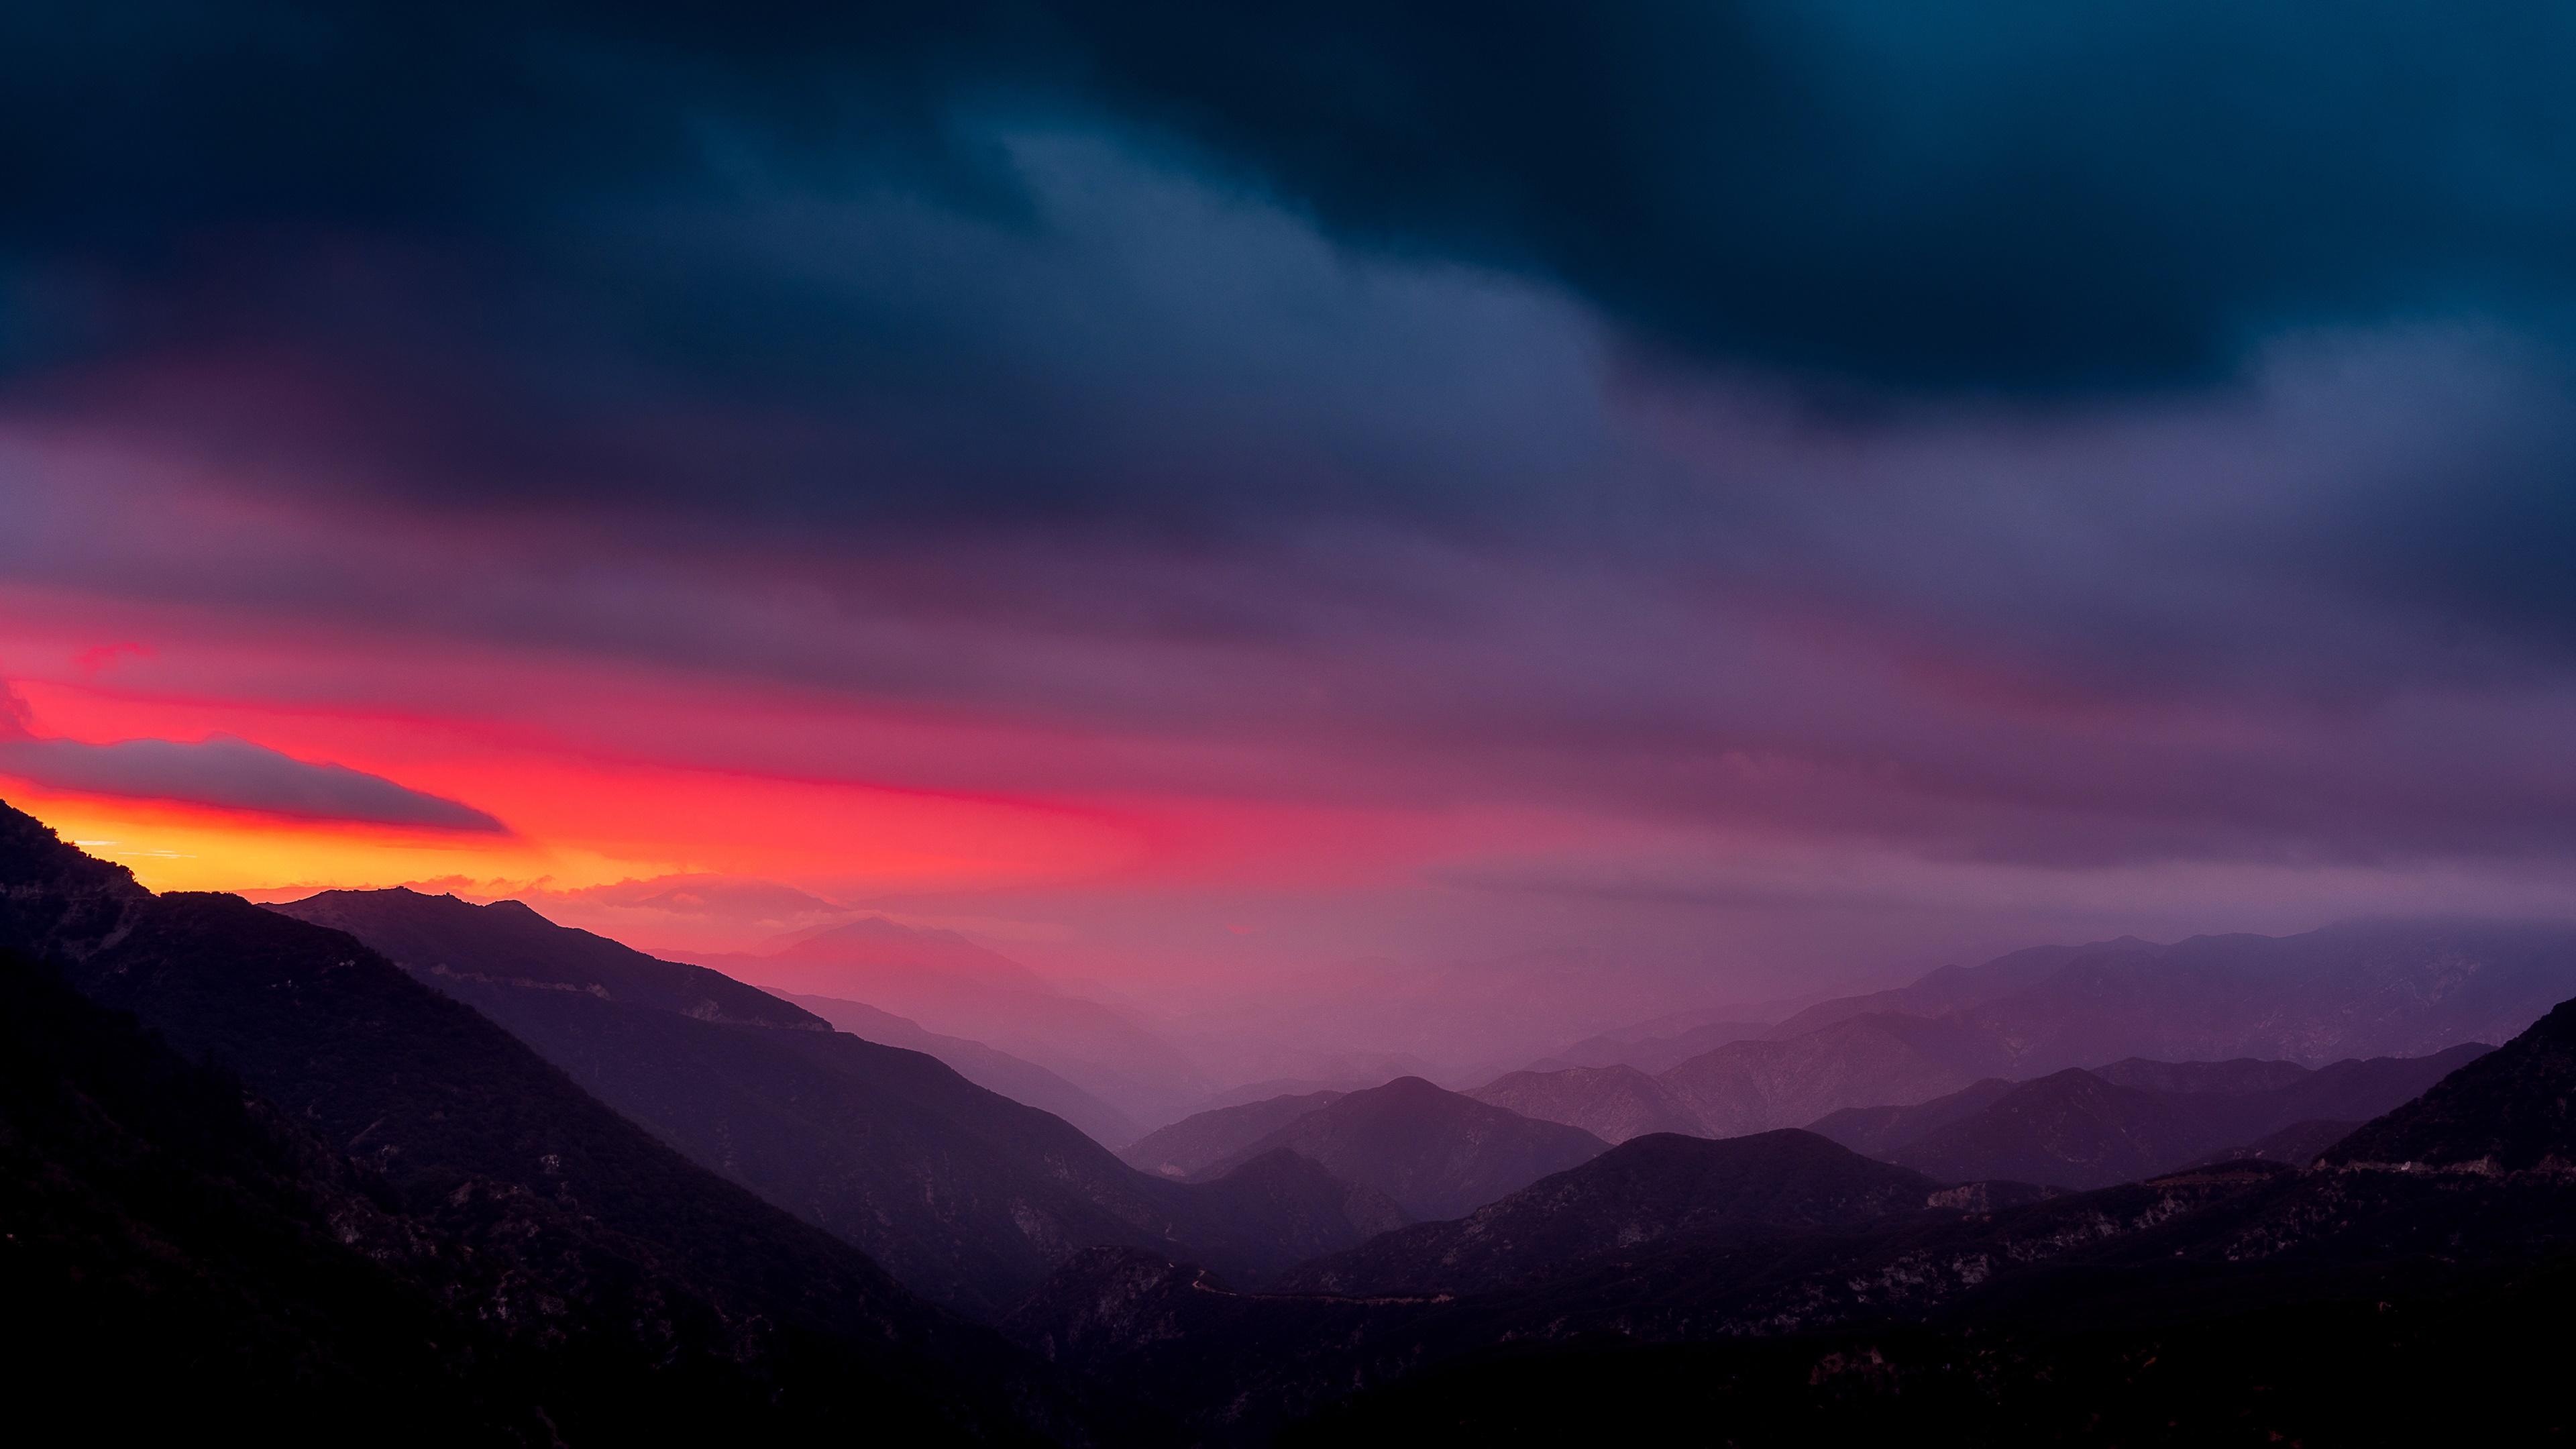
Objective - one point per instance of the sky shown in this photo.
(1761, 496)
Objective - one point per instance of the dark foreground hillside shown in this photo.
(191, 1255)
(306, 1198)
(2480, 1367)
(646, 1299)
(1985, 1314)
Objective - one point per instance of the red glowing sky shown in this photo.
(1123, 525)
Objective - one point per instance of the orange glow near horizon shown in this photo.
(605, 775)
(577, 816)
(1107, 846)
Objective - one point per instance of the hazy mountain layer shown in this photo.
(1651, 1055)
(1436, 1153)
(1198, 1142)
(1023, 1082)
(1877, 1131)
(1649, 1190)
(954, 987)
(2073, 1129)
(2360, 989)
(1861, 1061)
(2077, 1129)
(2166, 1257)
(1612, 1103)
(964, 1194)
(2243, 1075)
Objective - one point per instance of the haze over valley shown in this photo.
(1102, 724)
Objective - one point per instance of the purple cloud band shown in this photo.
(233, 774)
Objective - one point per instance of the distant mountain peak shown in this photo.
(1438, 1154)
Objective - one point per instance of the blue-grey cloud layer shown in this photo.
(2001, 193)
(234, 774)
(2152, 357)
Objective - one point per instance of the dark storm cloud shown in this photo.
(1997, 195)
(1004, 353)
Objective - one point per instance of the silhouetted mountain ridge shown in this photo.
(1024, 1082)
(1612, 1103)
(954, 987)
(1195, 1143)
(965, 1195)
(2358, 989)
(2155, 1258)
(662, 1294)
(1858, 1061)
(1437, 1154)
(2079, 1129)
(1877, 1131)
(1650, 1189)
(2512, 1110)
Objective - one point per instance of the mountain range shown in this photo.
(967, 1196)
(395, 1165)
(953, 987)
(2085, 1129)
(1024, 1082)
(1193, 1144)
(1436, 1154)
(1882, 1294)
(661, 1297)
(1650, 1189)
(2359, 989)
(1613, 1103)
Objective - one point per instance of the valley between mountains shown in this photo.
(380, 1146)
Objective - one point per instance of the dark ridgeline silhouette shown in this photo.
(1194, 1143)
(398, 1217)
(648, 1296)
(2298, 1144)
(1859, 1061)
(1436, 1154)
(2067, 1295)
(1651, 1189)
(2084, 1129)
(181, 1254)
(952, 986)
(1024, 1082)
(1612, 1103)
(2073, 1129)
(2241, 1076)
(965, 1195)
(1876, 1131)
(2360, 989)
(2512, 1111)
